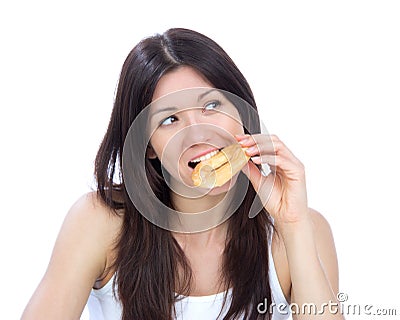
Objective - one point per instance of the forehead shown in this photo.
(181, 78)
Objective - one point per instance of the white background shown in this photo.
(326, 77)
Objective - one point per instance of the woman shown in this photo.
(241, 267)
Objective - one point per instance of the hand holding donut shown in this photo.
(287, 203)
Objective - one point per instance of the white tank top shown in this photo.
(102, 305)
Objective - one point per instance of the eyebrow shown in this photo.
(163, 110)
(201, 96)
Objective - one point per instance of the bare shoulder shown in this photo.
(81, 254)
(91, 210)
(90, 217)
(318, 219)
(322, 228)
(100, 222)
(326, 247)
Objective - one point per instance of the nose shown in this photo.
(196, 130)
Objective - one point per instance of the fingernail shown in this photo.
(251, 150)
(241, 136)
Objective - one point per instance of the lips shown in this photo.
(203, 156)
(219, 169)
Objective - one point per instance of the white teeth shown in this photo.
(206, 156)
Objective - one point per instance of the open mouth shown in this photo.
(219, 166)
(193, 163)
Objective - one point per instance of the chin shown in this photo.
(219, 190)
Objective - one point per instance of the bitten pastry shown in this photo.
(220, 168)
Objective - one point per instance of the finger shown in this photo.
(267, 145)
(253, 174)
(245, 140)
(274, 162)
(265, 159)
(258, 144)
(263, 185)
(241, 136)
(269, 160)
(269, 149)
(260, 149)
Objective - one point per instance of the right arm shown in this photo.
(80, 256)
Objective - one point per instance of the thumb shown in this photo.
(262, 184)
(253, 174)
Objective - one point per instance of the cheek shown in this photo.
(231, 125)
(229, 119)
(165, 145)
(237, 128)
(158, 142)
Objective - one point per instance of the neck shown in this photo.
(212, 238)
(201, 213)
(194, 205)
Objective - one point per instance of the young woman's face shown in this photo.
(188, 119)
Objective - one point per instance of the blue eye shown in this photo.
(211, 105)
(168, 121)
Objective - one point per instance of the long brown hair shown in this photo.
(148, 256)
